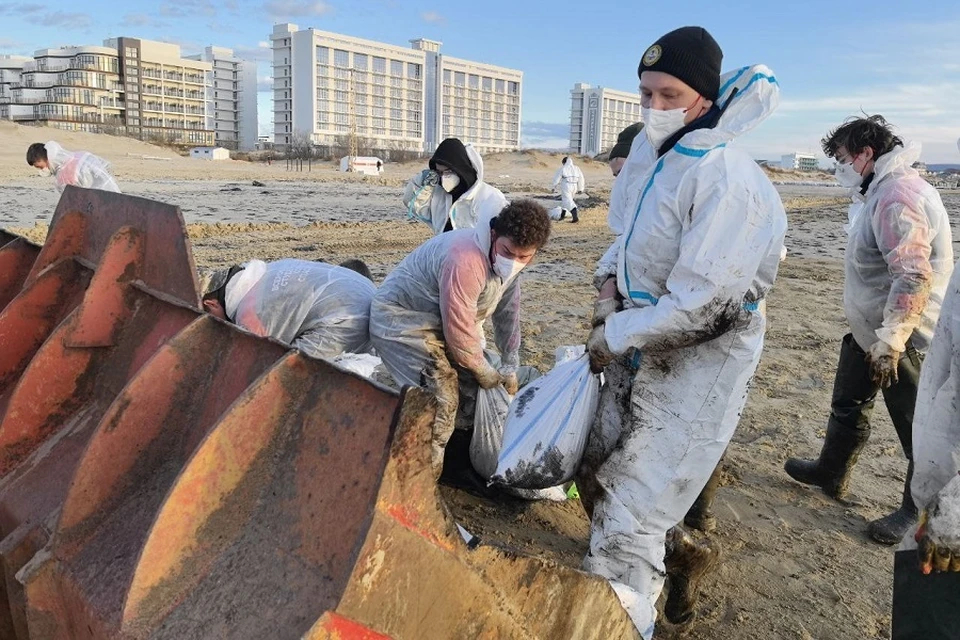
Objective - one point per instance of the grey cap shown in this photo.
(212, 279)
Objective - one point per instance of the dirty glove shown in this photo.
(883, 361)
(488, 378)
(429, 178)
(509, 381)
(938, 536)
(600, 354)
(606, 303)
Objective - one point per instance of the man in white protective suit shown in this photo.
(321, 309)
(700, 230)
(569, 179)
(451, 193)
(80, 169)
(898, 261)
(426, 321)
(926, 606)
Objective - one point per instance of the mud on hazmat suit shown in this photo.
(426, 321)
(702, 231)
(472, 198)
(80, 169)
(318, 308)
(935, 487)
(569, 179)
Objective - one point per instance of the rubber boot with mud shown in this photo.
(687, 562)
(890, 529)
(700, 516)
(574, 215)
(831, 471)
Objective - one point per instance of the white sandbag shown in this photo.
(363, 364)
(488, 419)
(553, 494)
(547, 427)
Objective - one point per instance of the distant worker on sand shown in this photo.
(899, 258)
(318, 308)
(569, 179)
(451, 194)
(80, 169)
(700, 230)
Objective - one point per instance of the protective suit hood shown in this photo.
(897, 161)
(57, 156)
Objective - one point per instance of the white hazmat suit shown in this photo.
(426, 320)
(936, 419)
(427, 202)
(702, 230)
(899, 255)
(318, 308)
(569, 179)
(80, 169)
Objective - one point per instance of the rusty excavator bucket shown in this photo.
(164, 474)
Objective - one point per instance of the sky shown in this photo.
(832, 59)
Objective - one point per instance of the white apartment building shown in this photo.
(233, 95)
(799, 162)
(68, 87)
(333, 87)
(143, 88)
(598, 115)
(11, 72)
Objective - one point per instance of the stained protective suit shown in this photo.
(427, 202)
(426, 320)
(80, 169)
(936, 419)
(569, 179)
(702, 230)
(318, 308)
(899, 256)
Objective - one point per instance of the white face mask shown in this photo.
(660, 125)
(45, 172)
(449, 181)
(507, 268)
(847, 176)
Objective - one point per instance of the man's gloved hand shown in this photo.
(488, 378)
(429, 177)
(509, 381)
(606, 303)
(938, 536)
(883, 361)
(600, 354)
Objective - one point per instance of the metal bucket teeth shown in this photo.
(164, 474)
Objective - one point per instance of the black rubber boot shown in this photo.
(563, 213)
(687, 562)
(890, 529)
(573, 215)
(700, 516)
(831, 471)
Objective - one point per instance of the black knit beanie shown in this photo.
(624, 141)
(689, 54)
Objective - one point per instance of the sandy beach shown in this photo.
(796, 564)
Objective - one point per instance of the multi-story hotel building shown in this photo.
(598, 115)
(332, 87)
(136, 87)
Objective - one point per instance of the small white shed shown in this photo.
(367, 165)
(210, 153)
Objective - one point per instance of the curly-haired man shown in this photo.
(426, 319)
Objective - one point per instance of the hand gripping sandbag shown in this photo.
(547, 427)
(488, 419)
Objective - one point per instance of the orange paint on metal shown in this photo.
(408, 518)
(333, 626)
